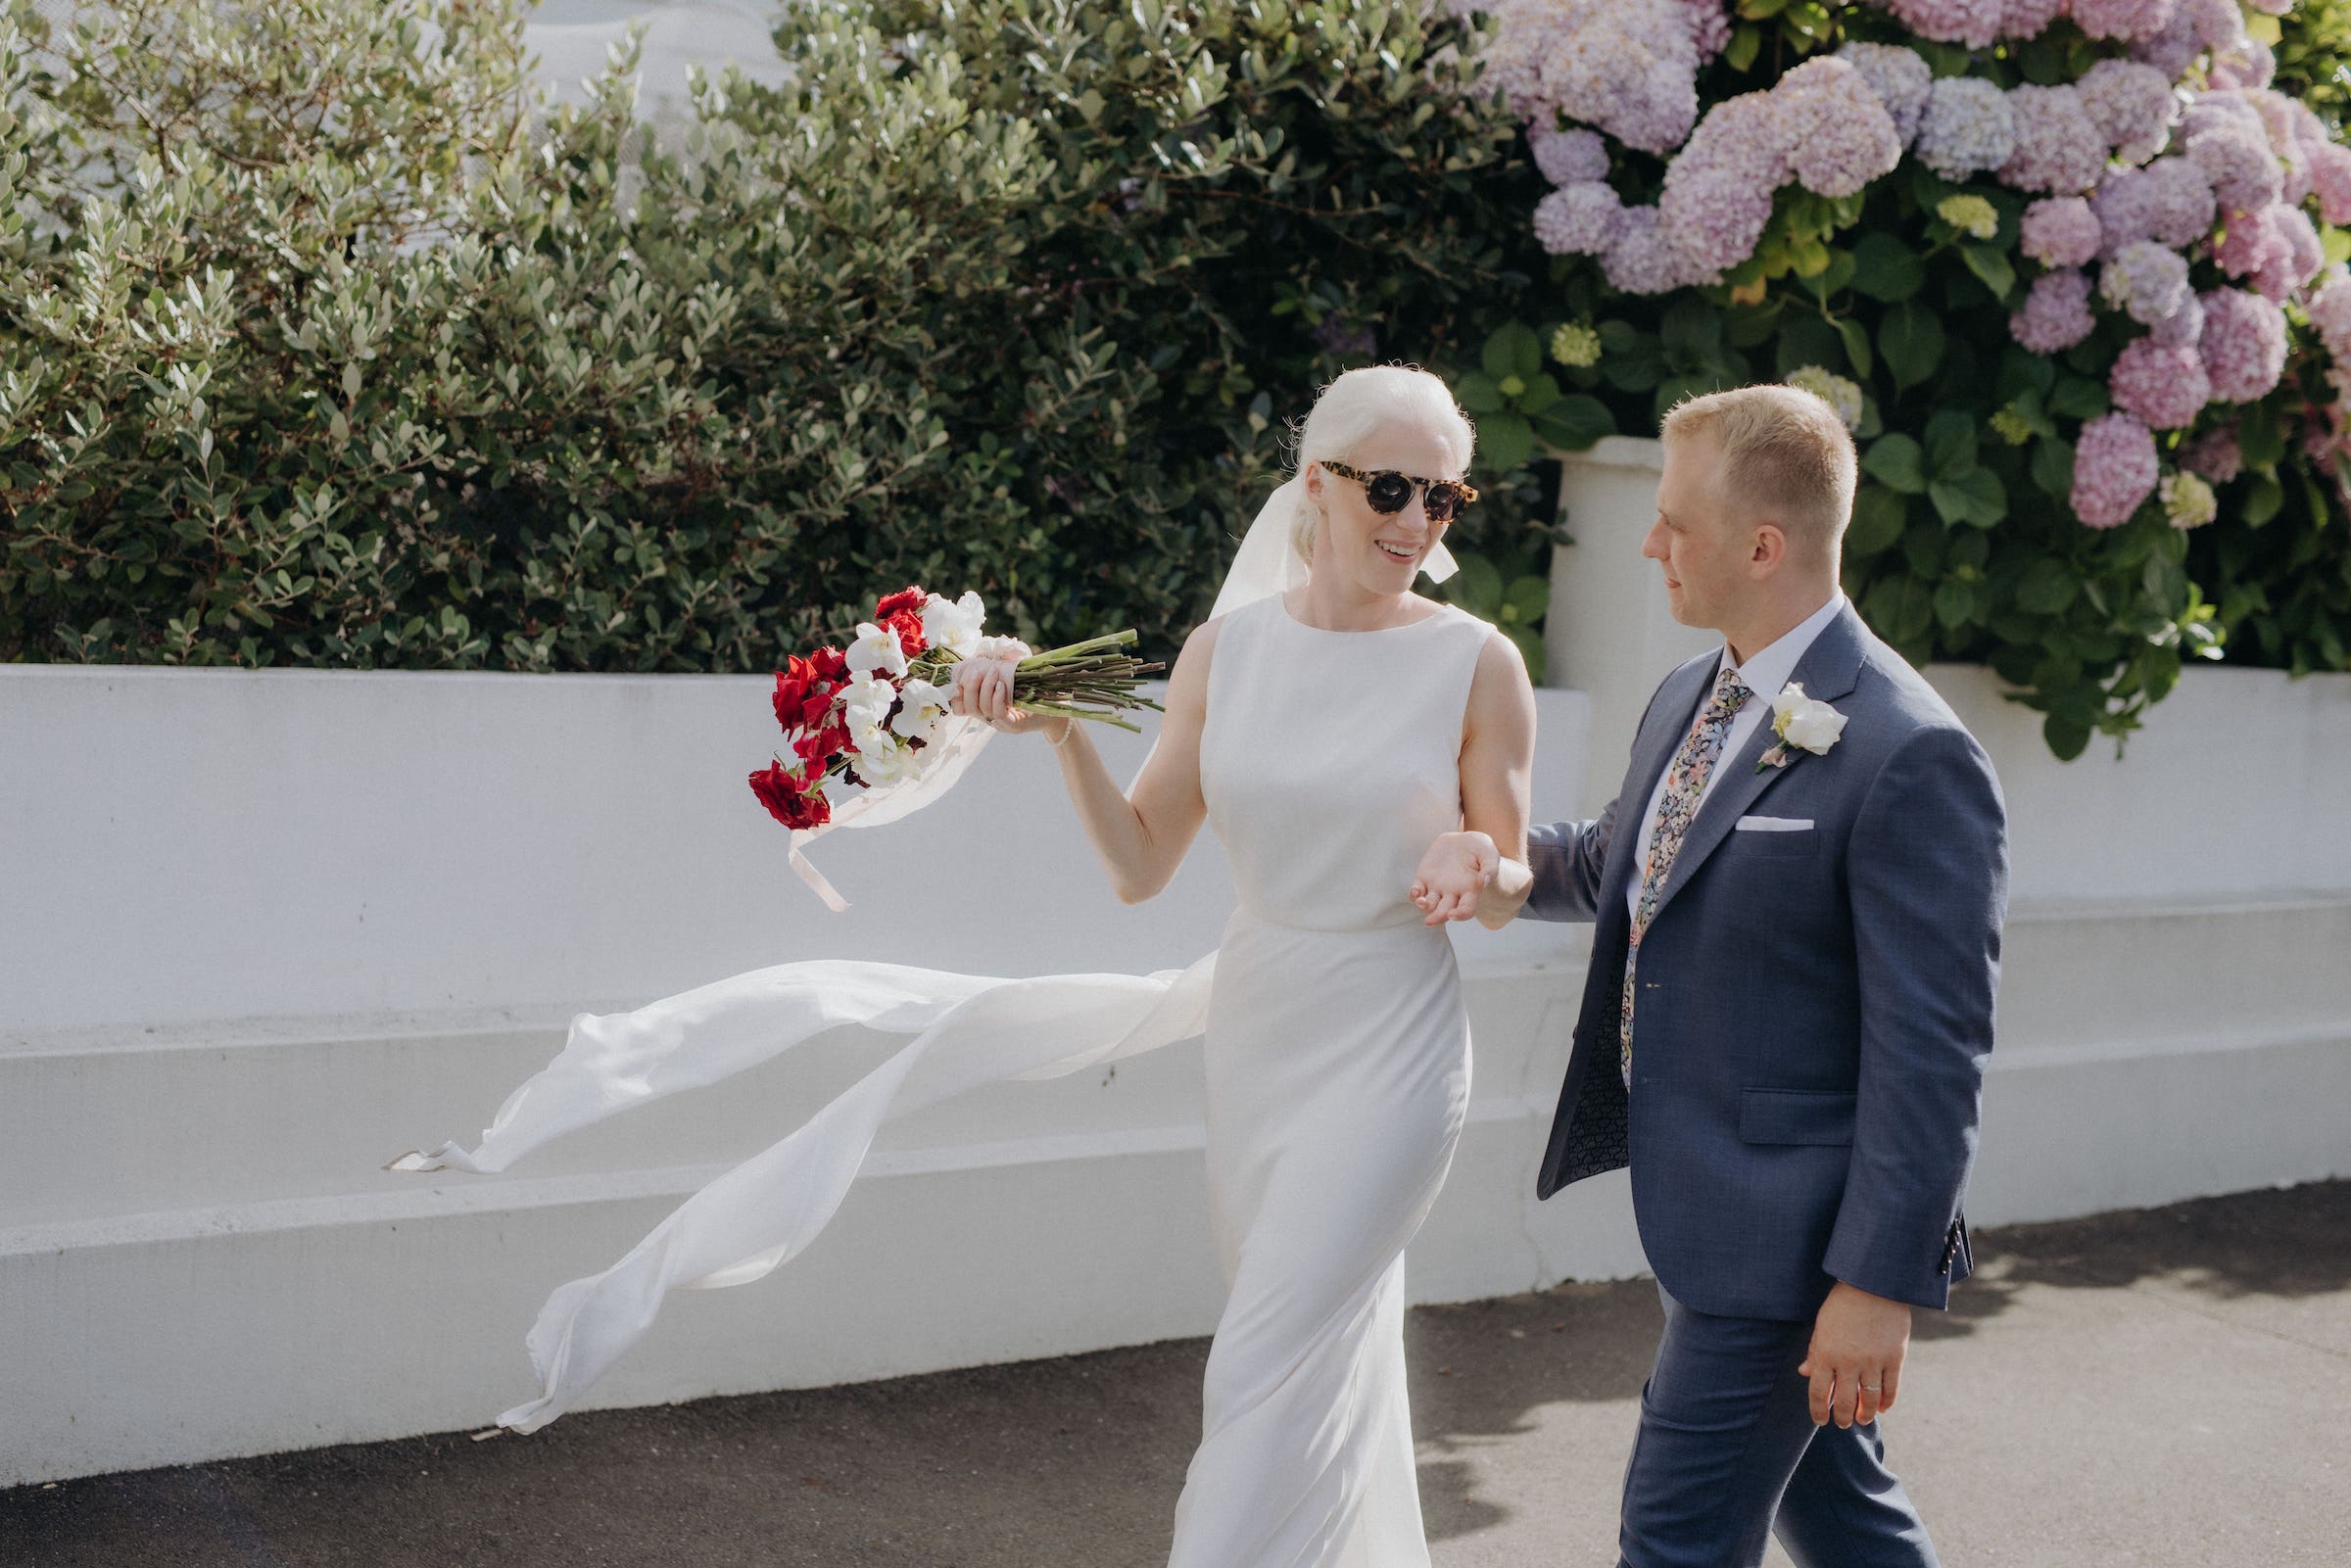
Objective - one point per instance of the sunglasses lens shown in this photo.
(1442, 501)
(1388, 493)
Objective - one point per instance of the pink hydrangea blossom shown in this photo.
(1627, 67)
(2215, 455)
(2059, 231)
(2175, 48)
(1972, 22)
(1709, 23)
(2163, 389)
(1901, 80)
(2056, 314)
(2248, 63)
(1752, 135)
(2274, 247)
(2132, 105)
(2181, 328)
(2169, 200)
(1968, 128)
(1579, 219)
(2122, 19)
(2243, 344)
(1841, 135)
(1569, 157)
(1640, 260)
(2217, 23)
(2239, 165)
(2059, 148)
(2329, 309)
(2114, 470)
(2029, 19)
(2330, 181)
(1711, 218)
(2145, 279)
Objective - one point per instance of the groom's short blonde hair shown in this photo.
(1786, 456)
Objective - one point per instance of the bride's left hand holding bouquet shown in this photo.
(870, 728)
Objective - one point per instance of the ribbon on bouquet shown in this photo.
(958, 739)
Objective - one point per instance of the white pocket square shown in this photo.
(1773, 825)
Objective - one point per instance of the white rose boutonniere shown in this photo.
(1803, 725)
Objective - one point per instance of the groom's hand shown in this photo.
(1856, 1359)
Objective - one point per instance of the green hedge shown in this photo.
(318, 347)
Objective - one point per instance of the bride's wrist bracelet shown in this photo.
(1069, 727)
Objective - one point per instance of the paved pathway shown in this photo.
(2165, 1388)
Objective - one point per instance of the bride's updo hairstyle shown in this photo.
(1357, 406)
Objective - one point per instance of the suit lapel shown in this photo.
(1830, 669)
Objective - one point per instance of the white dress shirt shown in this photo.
(1765, 672)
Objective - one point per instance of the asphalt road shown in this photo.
(2169, 1388)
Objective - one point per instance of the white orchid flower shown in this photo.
(876, 649)
(954, 626)
(866, 701)
(922, 706)
(1804, 723)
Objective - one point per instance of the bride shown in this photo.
(1362, 753)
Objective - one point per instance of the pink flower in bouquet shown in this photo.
(2114, 470)
(2243, 344)
(2059, 231)
(2163, 389)
(2056, 314)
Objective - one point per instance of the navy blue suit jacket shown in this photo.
(1816, 1006)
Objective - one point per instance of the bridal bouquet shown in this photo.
(867, 728)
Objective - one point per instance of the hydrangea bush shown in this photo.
(2073, 272)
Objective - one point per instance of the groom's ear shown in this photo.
(1768, 549)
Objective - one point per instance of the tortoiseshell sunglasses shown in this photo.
(1390, 492)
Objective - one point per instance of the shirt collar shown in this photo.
(1768, 670)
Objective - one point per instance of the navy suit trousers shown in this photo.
(1727, 1452)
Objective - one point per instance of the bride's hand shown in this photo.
(1456, 870)
(983, 686)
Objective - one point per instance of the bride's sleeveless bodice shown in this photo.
(1330, 759)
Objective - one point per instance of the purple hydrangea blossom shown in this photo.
(2217, 24)
(1841, 135)
(2059, 231)
(2027, 18)
(2215, 455)
(2114, 470)
(2243, 344)
(2059, 148)
(1968, 128)
(2274, 247)
(2247, 64)
(2239, 165)
(1972, 22)
(2122, 19)
(1752, 134)
(2163, 389)
(1626, 67)
(2272, 8)
(1579, 219)
(1709, 23)
(1898, 76)
(1711, 218)
(2175, 48)
(1640, 260)
(2329, 309)
(2132, 105)
(1569, 157)
(2055, 314)
(2181, 328)
(2330, 181)
(2146, 279)
(2169, 200)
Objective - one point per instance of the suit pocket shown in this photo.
(1795, 1116)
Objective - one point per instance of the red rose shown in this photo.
(795, 687)
(781, 794)
(905, 599)
(818, 748)
(829, 665)
(908, 624)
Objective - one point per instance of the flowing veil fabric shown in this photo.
(962, 1030)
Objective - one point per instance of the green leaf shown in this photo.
(1745, 43)
(1540, 393)
(2053, 467)
(1911, 339)
(2263, 497)
(1950, 443)
(2048, 587)
(1987, 262)
(1897, 463)
(2067, 737)
(1857, 345)
(1479, 394)
(1885, 268)
(1879, 516)
(2078, 397)
(1976, 496)
(1527, 598)
(1506, 440)
(2259, 437)
(1954, 602)
(1476, 587)
(1575, 422)
(1513, 350)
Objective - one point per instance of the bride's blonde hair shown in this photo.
(1360, 402)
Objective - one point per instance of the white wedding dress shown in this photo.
(1337, 1070)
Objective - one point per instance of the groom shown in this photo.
(1798, 904)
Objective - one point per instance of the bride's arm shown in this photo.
(1141, 833)
(1481, 871)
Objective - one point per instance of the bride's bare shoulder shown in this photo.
(1187, 681)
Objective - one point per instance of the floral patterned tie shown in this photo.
(1685, 786)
